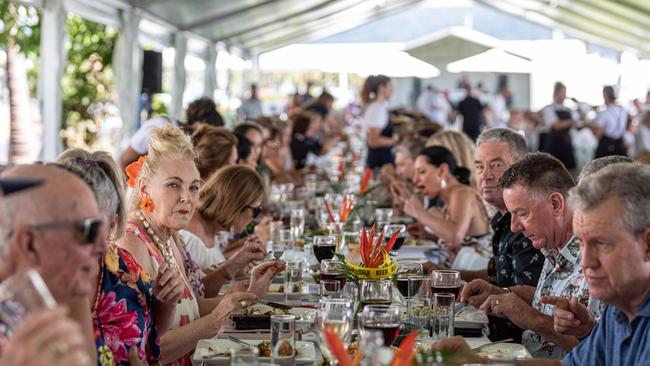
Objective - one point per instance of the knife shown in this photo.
(276, 305)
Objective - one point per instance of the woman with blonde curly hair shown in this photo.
(166, 190)
(460, 146)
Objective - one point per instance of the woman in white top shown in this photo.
(376, 91)
(610, 126)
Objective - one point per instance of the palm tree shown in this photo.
(20, 124)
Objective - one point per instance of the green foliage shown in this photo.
(23, 24)
(88, 75)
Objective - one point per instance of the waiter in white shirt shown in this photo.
(610, 126)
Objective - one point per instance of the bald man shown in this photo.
(55, 228)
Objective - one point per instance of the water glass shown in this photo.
(350, 291)
(283, 339)
(286, 239)
(443, 315)
(21, 294)
(244, 356)
(419, 303)
(297, 222)
(330, 289)
(293, 283)
(446, 281)
(324, 247)
(383, 217)
(376, 292)
(383, 318)
(274, 232)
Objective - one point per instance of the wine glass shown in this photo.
(376, 292)
(384, 318)
(324, 247)
(297, 222)
(404, 271)
(446, 281)
(383, 216)
(336, 315)
(389, 230)
(332, 269)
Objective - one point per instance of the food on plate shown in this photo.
(272, 311)
(264, 348)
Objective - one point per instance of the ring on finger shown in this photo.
(59, 348)
(496, 302)
(243, 303)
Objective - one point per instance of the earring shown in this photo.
(443, 184)
(146, 204)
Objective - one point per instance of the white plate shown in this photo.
(306, 351)
(504, 351)
(471, 317)
(302, 314)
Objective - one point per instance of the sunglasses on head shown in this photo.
(87, 230)
(256, 210)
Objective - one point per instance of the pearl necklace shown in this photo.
(165, 248)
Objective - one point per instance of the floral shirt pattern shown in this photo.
(561, 276)
(122, 315)
(516, 261)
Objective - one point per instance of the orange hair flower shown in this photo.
(133, 170)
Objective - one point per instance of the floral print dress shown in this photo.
(123, 311)
(187, 308)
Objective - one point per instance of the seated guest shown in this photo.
(303, 138)
(515, 261)
(120, 277)
(229, 201)
(166, 188)
(462, 221)
(461, 146)
(255, 134)
(62, 236)
(611, 220)
(276, 155)
(535, 191)
(216, 147)
(245, 151)
(597, 164)
(202, 110)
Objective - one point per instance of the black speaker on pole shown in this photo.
(152, 72)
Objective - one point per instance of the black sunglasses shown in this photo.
(87, 230)
(256, 210)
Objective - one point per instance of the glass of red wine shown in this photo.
(404, 271)
(324, 247)
(446, 281)
(376, 292)
(389, 230)
(332, 270)
(383, 318)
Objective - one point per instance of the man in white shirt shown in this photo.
(610, 126)
(434, 105)
(251, 108)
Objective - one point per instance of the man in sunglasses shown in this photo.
(55, 228)
(46, 336)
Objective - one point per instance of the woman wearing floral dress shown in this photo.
(120, 315)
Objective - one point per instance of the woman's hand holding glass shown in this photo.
(262, 276)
